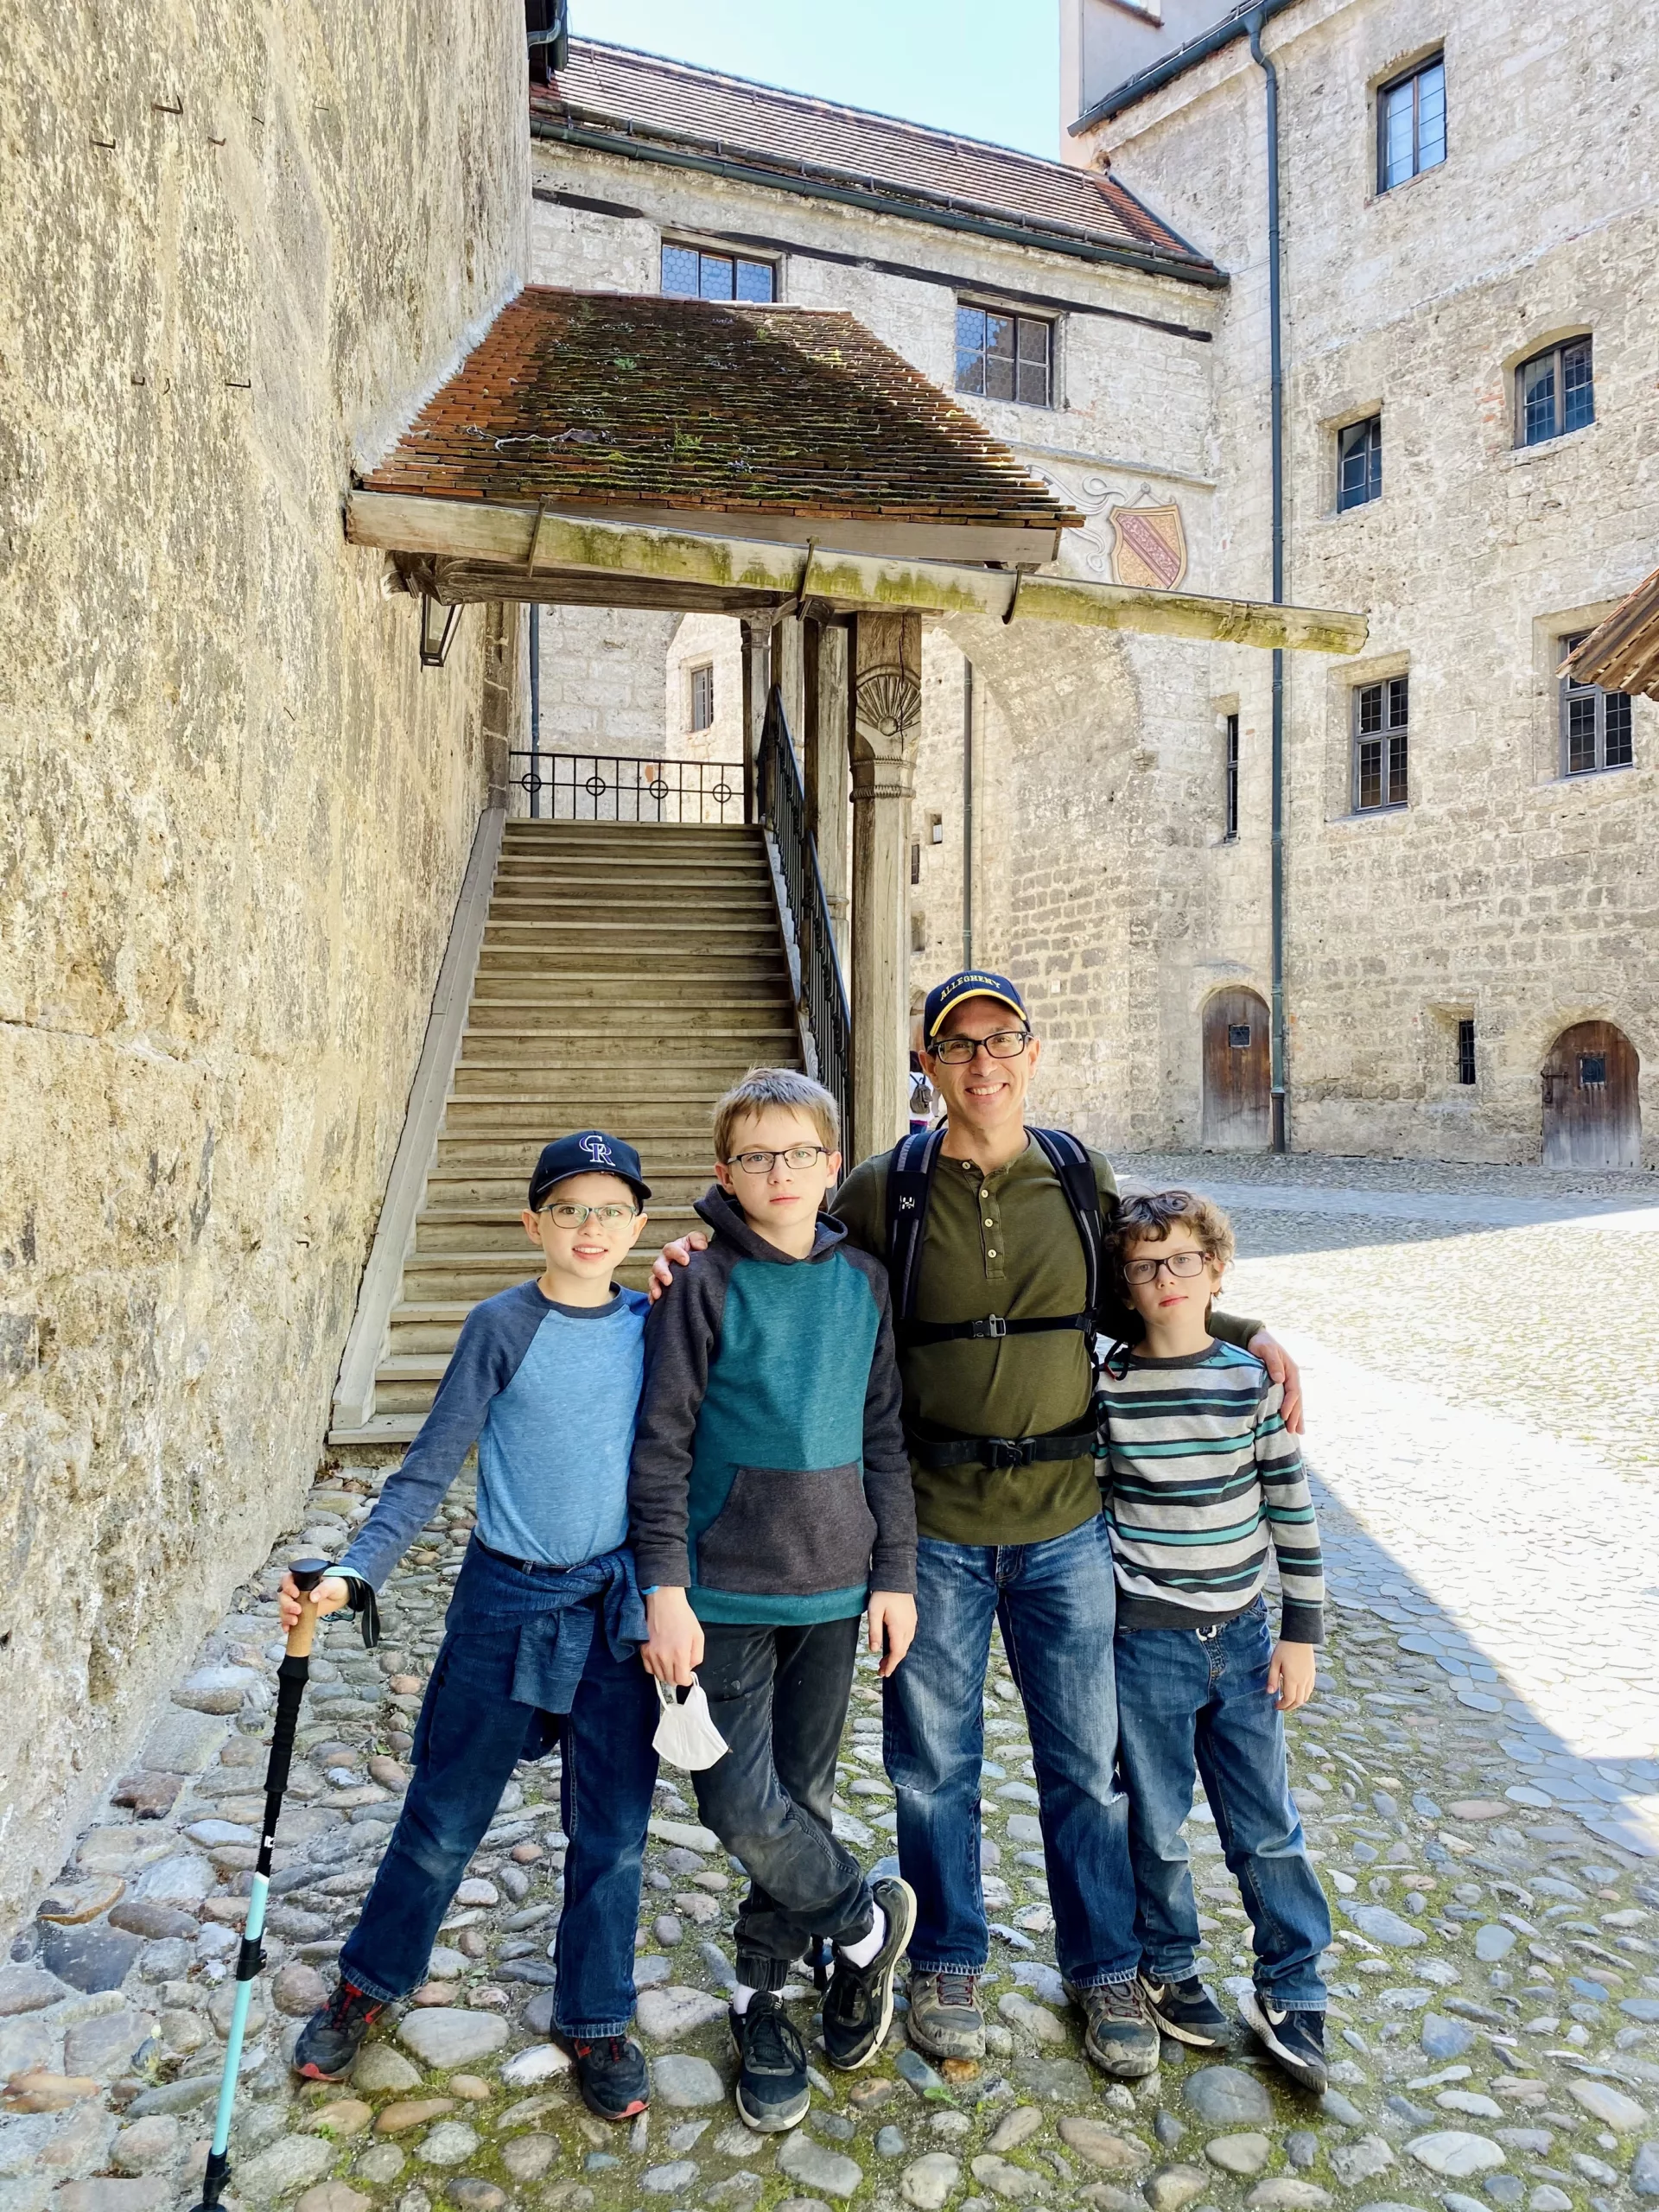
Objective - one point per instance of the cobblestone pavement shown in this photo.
(1475, 1773)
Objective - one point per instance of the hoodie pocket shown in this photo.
(782, 1533)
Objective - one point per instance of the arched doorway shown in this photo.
(1592, 1114)
(1237, 1081)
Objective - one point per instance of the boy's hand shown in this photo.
(1281, 1367)
(329, 1595)
(676, 1642)
(1290, 1675)
(893, 1614)
(676, 1255)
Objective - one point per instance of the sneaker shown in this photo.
(1296, 2039)
(1119, 2033)
(772, 2091)
(611, 2075)
(1186, 2012)
(944, 2020)
(330, 2040)
(858, 2005)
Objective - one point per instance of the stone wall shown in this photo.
(239, 243)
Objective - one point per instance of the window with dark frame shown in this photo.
(702, 697)
(1411, 123)
(1466, 1050)
(1380, 742)
(1554, 392)
(1229, 786)
(1359, 463)
(690, 273)
(1004, 356)
(1595, 724)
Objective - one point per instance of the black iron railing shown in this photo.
(619, 787)
(823, 995)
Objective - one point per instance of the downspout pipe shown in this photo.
(1276, 381)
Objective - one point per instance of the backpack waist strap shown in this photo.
(993, 1325)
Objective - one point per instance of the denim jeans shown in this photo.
(778, 1696)
(1187, 1696)
(1057, 1604)
(468, 1738)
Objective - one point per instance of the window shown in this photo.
(1595, 724)
(702, 696)
(1554, 392)
(915, 861)
(1467, 1051)
(1230, 783)
(689, 273)
(1359, 463)
(1004, 356)
(1380, 744)
(1238, 1036)
(1411, 124)
(1593, 1071)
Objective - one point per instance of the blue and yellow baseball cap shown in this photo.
(971, 984)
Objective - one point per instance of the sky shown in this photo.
(987, 68)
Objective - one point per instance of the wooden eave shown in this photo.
(1622, 653)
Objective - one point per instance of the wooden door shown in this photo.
(1592, 1114)
(1237, 1078)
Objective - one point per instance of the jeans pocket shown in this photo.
(785, 1533)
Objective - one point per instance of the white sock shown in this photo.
(860, 1954)
(740, 1997)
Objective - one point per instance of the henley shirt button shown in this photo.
(990, 1252)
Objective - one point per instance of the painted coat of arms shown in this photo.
(1149, 546)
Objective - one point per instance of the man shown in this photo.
(1023, 1544)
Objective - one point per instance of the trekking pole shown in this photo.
(291, 1678)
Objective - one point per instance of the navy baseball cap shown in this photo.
(971, 984)
(589, 1152)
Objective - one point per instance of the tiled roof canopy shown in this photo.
(615, 89)
(784, 417)
(1622, 653)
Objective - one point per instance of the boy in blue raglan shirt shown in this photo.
(542, 1633)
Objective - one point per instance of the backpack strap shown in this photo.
(1070, 1162)
(910, 1179)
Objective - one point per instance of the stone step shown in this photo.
(605, 1027)
(554, 1045)
(470, 1230)
(461, 1156)
(669, 1186)
(578, 1092)
(470, 1276)
(758, 961)
(533, 1122)
(605, 891)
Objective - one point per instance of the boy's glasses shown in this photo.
(792, 1155)
(610, 1217)
(1179, 1263)
(1001, 1045)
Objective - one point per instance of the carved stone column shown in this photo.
(887, 658)
(825, 769)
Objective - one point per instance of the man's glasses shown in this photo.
(1179, 1263)
(609, 1218)
(1001, 1045)
(792, 1155)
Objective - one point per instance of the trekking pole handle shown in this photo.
(307, 1573)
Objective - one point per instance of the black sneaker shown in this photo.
(1186, 2012)
(772, 2091)
(1119, 2033)
(330, 2040)
(1296, 2039)
(611, 2075)
(858, 2005)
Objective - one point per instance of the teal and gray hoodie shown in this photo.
(770, 1479)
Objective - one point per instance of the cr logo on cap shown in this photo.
(597, 1149)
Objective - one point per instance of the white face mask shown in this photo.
(686, 1735)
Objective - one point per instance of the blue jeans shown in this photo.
(1056, 1603)
(470, 1735)
(1187, 1696)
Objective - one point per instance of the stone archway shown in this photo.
(1237, 1074)
(1592, 1110)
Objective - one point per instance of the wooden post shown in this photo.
(757, 665)
(886, 663)
(825, 767)
(789, 674)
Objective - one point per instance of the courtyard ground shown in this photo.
(1478, 1775)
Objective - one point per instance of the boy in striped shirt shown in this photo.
(1203, 1475)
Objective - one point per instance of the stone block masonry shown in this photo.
(236, 814)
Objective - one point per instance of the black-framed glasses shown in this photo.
(1179, 1263)
(792, 1155)
(611, 1217)
(1001, 1045)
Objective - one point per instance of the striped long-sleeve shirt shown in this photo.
(1202, 1474)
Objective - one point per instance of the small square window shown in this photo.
(702, 697)
(1411, 124)
(1004, 356)
(1381, 716)
(1595, 724)
(1238, 1036)
(689, 273)
(1359, 463)
(1593, 1071)
(1554, 392)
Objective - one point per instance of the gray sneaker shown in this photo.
(945, 2020)
(1120, 2034)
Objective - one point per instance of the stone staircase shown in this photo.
(629, 975)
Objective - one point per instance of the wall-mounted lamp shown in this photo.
(437, 630)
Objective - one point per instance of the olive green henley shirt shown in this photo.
(1003, 1243)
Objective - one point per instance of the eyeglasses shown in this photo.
(1001, 1045)
(792, 1155)
(1179, 1263)
(609, 1218)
